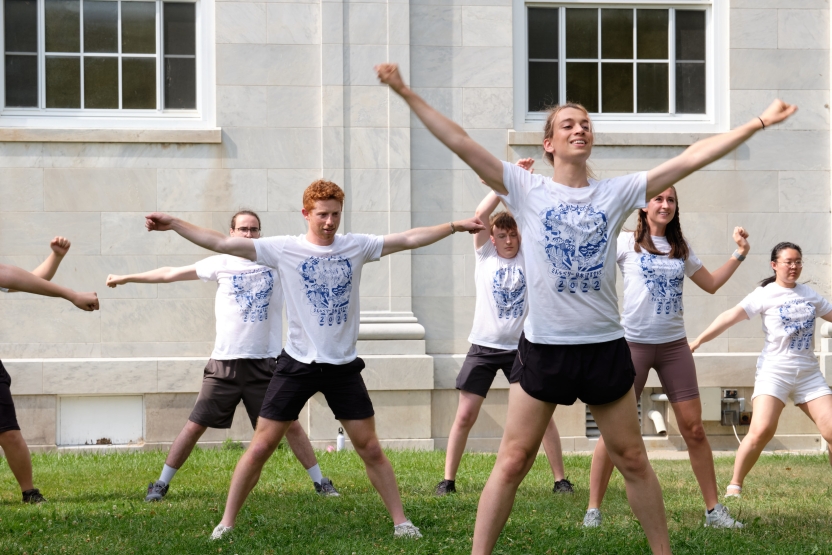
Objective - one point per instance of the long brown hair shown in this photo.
(549, 130)
(673, 234)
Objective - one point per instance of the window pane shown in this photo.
(690, 35)
(180, 83)
(581, 33)
(652, 88)
(21, 25)
(63, 82)
(138, 82)
(180, 28)
(582, 84)
(138, 27)
(543, 85)
(617, 34)
(63, 25)
(100, 82)
(22, 81)
(690, 88)
(100, 27)
(651, 35)
(617, 87)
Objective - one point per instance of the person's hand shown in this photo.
(741, 239)
(60, 246)
(389, 75)
(86, 301)
(694, 345)
(158, 221)
(471, 225)
(113, 280)
(527, 164)
(777, 112)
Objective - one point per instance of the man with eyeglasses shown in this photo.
(248, 309)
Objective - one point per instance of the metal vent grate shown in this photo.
(592, 427)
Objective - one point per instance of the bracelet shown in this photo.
(453, 229)
(761, 121)
(738, 256)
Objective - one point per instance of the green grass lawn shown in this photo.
(96, 506)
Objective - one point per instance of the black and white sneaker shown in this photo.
(33, 496)
(156, 491)
(326, 488)
(563, 486)
(445, 487)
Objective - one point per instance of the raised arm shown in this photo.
(702, 153)
(424, 236)
(14, 278)
(488, 167)
(205, 238)
(712, 281)
(730, 317)
(46, 270)
(483, 214)
(159, 275)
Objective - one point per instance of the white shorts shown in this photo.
(802, 386)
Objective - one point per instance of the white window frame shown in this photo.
(717, 100)
(203, 117)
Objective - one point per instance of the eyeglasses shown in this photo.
(791, 264)
(251, 230)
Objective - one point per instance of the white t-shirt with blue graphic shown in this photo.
(501, 299)
(321, 289)
(788, 323)
(653, 311)
(570, 254)
(248, 307)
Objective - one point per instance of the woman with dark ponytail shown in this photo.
(654, 261)
(787, 367)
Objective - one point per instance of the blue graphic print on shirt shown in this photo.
(664, 278)
(328, 284)
(509, 290)
(253, 292)
(798, 319)
(575, 240)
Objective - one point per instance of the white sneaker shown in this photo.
(592, 518)
(406, 530)
(719, 518)
(733, 490)
(220, 530)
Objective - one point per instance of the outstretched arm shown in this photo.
(46, 270)
(730, 317)
(205, 238)
(159, 275)
(423, 236)
(711, 282)
(483, 214)
(488, 167)
(14, 278)
(702, 153)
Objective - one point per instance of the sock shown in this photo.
(167, 474)
(403, 523)
(711, 510)
(315, 474)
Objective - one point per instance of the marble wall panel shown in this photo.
(131, 155)
(191, 289)
(157, 349)
(366, 23)
(459, 243)
(465, 66)
(211, 190)
(487, 108)
(399, 148)
(398, 372)
(294, 23)
(447, 322)
(366, 106)
(804, 191)
(166, 414)
(332, 22)
(27, 377)
(400, 191)
(180, 376)
(785, 150)
(37, 416)
(21, 189)
(294, 106)
(718, 191)
(283, 223)
(135, 320)
(68, 377)
(769, 4)
(242, 64)
(240, 106)
(708, 232)
(26, 233)
(286, 188)
(21, 155)
(123, 233)
(366, 147)
(375, 280)
(753, 28)
(813, 112)
(367, 191)
(359, 61)
(398, 24)
(99, 189)
(447, 100)
(435, 25)
(294, 65)
(89, 273)
(748, 104)
(271, 148)
(58, 349)
(809, 230)
(486, 26)
(779, 69)
(803, 29)
(240, 22)
(438, 275)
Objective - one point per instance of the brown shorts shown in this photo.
(8, 417)
(225, 383)
(673, 363)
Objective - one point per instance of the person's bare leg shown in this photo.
(526, 423)
(379, 470)
(300, 445)
(184, 444)
(820, 411)
(618, 423)
(267, 436)
(689, 417)
(600, 473)
(767, 411)
(554, 452)
(466, 415)
(18, 457)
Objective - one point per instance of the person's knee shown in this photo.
(694, 433)
(12, 440)
(515, 462)
(632, 462)
(465, 418)
(370, 451)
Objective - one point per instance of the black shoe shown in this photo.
(33, 496)
(326, 488)
(156, 491)
(445, 487)
(563, 486)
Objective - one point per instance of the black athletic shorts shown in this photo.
(8, 417)
(225, 383)
(294, 382)
(595, 373)
(480, 368)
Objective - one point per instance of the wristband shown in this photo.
(762, 122)
(453, 229)
(738, 256)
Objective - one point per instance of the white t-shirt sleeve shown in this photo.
(822, 306)
(753, 302)
(623, 246)
(208, 269)
(517, 182)
(485, 251)
(269, 250)
(371, 246)
(692, 262)
(632, 190)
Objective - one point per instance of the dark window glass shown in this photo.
(63, 82)
(180, 28)
(581, 33)
(100, 82)
(101, 27)
(63, 25)
(582, 84)
(21, 25)
(690, 88)
(138, 27)
(617, 88)
(652, 88)
(180, 83)
(543, 85)
(543, 33)
(138, 83)
(22, 81)
(690, 35)
(617, 34)
(651, 34)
